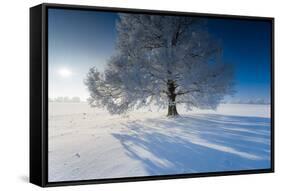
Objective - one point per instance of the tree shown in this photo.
(75, 99)
(164, 60)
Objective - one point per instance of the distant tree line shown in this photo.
(65, 99)
(248, 101)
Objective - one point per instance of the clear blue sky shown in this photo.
(79, 40)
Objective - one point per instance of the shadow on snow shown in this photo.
(198, 143)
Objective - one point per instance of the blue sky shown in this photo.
(79, 40)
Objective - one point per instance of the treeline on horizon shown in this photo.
(77, 99)
(65, 99)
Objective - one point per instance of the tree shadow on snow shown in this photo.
(198, 143)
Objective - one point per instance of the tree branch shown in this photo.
(187, 92)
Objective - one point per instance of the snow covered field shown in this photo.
(88, 143)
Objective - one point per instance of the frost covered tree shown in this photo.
(164, 60)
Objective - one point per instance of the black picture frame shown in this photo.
(39, 95)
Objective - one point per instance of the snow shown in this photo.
(89, 143)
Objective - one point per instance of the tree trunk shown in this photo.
(172, 108)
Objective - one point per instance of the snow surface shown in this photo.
(88, 143)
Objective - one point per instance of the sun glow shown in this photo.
(65, 72)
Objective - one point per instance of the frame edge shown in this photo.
(35, 130)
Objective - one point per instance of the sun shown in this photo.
(65, 72)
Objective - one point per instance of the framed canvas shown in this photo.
(122, 95)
